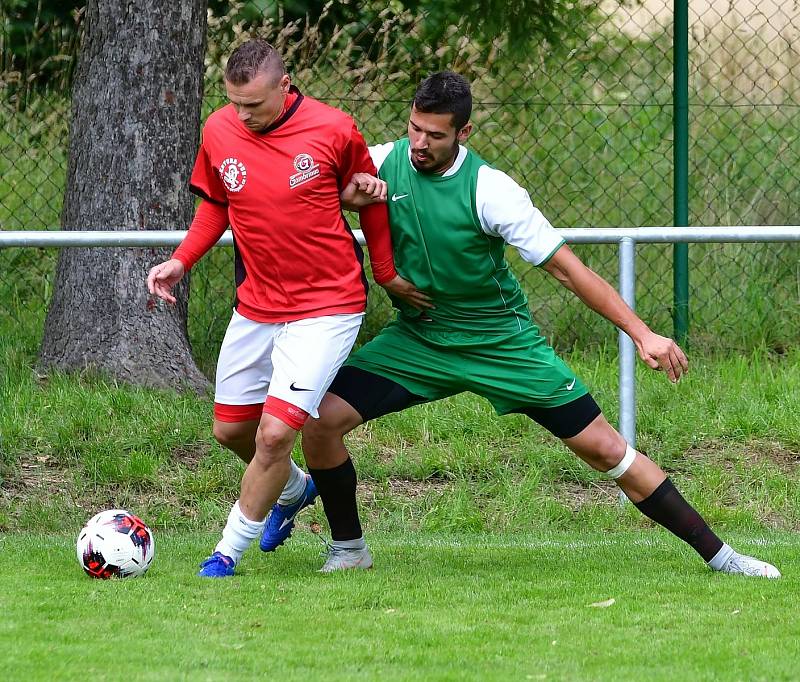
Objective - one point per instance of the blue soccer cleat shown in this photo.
(218, 565)
(280, 521)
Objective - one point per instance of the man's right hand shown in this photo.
(362, 190)
(163, 277)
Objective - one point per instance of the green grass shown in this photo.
(728, 434)
(436, 607)
(491, 540)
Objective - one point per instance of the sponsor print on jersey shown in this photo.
(306, 170)
(233, 174)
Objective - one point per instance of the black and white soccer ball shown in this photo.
(115, 544)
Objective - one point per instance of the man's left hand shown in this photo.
(662, 353)
(406, 291)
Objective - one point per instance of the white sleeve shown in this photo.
(379, 152)
(505, 210)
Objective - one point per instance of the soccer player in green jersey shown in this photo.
(451, 217)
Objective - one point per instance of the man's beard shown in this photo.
(439, 168)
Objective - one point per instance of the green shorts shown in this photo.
(511, 371)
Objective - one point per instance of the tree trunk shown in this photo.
(134, 134)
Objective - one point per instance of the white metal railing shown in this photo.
(576, 235)
(626, 237)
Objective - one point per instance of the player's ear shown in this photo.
(465, 132)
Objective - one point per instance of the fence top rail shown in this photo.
(575, 235)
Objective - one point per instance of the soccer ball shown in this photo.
(115, 544)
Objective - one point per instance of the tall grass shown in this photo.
(728, 434)
(39, 44)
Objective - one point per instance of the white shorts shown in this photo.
(290, 362)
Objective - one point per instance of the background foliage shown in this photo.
(580, 113)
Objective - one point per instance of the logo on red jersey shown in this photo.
(233, 174)
(306, 170)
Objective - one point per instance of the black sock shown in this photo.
(337, 488)
(667, 507)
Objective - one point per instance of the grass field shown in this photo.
(436, 607)
(493, 545)
(491, 541)
(728, 434)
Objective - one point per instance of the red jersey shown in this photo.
(295, 254)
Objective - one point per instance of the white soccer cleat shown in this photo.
(750, 566)
(343, 559)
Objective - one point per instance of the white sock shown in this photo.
(358, 543)
(294, 486)
(239, 532)
(721, 557)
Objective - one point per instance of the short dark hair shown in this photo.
(251, 58)
(445, 92)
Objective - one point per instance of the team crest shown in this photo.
(233, 174)
(306, 170)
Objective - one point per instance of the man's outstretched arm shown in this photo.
(659, 352)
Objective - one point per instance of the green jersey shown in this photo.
(449, 234)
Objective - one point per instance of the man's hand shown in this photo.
(163, 277)
(406, 291)
(362, 190)
(661, 353)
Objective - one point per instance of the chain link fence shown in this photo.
(584, 124)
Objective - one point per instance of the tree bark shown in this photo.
(134, 133)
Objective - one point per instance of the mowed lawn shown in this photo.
(492, 542)
(435, 607)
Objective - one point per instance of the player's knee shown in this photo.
(622, 464)
(605, 452)
(317, 432)
(609, 455)
(273, 444)
(227, 434)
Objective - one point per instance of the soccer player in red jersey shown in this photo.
(272, 164)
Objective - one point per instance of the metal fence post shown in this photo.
(627, 351)
(680, 156)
